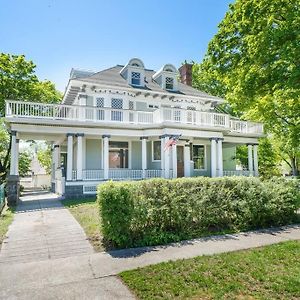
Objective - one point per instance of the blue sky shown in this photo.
(60, 34)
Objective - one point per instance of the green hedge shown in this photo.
(159, 211)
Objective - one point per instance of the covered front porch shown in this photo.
(83, 158)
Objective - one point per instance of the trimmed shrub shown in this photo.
(159, 211)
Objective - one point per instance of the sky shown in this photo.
(58, 35)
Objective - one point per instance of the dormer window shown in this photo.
(169, 83)
(166, 77)
(134, 72)
(136, 78)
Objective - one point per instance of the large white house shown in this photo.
(116, 124)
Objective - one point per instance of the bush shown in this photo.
(159, 211)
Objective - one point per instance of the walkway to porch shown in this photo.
(43, 229)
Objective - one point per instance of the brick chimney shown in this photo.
(186, 73)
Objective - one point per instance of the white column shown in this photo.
(255, 159)
(106, 155)
(70, 156)
(56, 155)
(167, 158)
(144, 155)
(250, 159)
(162, 155)
(13, 153)
(17, 156)
(82, 104)
(213, 158)
(187, 160)
(53, 163)
(79, 156)
(220, 158)
(174, 160)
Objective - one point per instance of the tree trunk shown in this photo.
(295, 171)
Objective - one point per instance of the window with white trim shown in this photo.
(156, 150)
(100, 102)
(169, 83)
(116, 115)
(136, 78)
(198, 157)
(100, 112)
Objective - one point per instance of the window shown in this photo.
(131, 105)
(169, 83)
(136, 78)
(191, 114)
(100, 112)
(116, 115)
(199, 157)
(100, 102)
(118, 155)
(156, 150)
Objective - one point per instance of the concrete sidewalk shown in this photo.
(43, 229)
(93, 276)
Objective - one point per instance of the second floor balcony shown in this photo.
(163, 115)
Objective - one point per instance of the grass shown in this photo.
(6, 217)
(271, 272)
(85, 211)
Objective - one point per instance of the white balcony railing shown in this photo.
(20, 109)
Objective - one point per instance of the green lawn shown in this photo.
(6, 218)
(271, 272)
(85, 211)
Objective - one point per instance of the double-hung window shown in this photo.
(199, 157)
(156, 150)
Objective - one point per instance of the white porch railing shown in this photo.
(237, 173)
(121, 174)
(118, 174)
(21, 109)
(92, 174)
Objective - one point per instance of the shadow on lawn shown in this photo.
(135, 252)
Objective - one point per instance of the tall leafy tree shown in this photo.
(253, 62)
(18, 81)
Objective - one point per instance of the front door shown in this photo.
(180, 161)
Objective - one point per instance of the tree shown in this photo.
(253, 62)
(45, 159)
(268, 157)
(18, 81)
(24, 163)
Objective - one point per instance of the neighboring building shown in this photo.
(116, 123)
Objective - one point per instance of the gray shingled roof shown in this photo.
(112, 76)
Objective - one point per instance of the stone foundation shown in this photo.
(53, 187)
(74, 191)
(13, 190)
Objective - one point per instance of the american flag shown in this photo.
(172, 141)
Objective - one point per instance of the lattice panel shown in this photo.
(90, 189)
(117, 103)
(131, 105)
(100, 102)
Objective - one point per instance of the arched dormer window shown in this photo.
(134, 72)
(166, 77)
